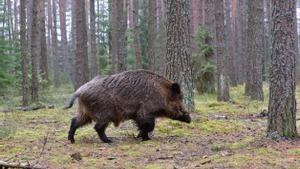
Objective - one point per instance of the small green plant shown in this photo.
(203, 66)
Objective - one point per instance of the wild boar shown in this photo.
(137, 95)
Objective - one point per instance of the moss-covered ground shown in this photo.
(221, 135)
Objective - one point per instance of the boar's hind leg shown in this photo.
(145, 125)
(75, 124)
(100, 128)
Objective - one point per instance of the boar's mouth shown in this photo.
(184, 117)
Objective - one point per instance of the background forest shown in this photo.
(236, 60)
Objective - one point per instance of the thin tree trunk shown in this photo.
(81, 52)
(34, 51)
(122, 18)
(222, 66)
(114, 34)
(162, 37)
(195, 8)
(24, 54)
(63, 30)
(94, 64)
(9, 20)
(16, 28)
(152, 34)
(49, 32)
(44, 57)
(282, 103)
(136, 35)
(178, 66)
(56, 65)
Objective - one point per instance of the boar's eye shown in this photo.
(175, 88)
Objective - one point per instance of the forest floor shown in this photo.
(221, 135)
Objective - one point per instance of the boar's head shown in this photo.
(175, 107)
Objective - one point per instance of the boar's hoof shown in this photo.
(107, 141)
(72, 140)
(144, 137)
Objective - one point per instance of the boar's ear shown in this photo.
(175, 88)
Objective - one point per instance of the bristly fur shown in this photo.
(139, 95)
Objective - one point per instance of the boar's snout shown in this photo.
(184, 118)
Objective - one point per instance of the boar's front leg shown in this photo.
(145, 125)
(100, 128)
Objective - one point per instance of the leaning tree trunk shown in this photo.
(24, 55)
(282, 103)
(222, 55)
(81, 71)
(178, 56)
(254, 85)
(34, 51)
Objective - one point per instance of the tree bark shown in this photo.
(210, 26)
(282, 103)
(34, 51)
(24, 54)
(162, 36)
(81, 52)
(152, 34)
(255, 49)
(16, 29)
(56, 64)
(94, 64)
(44, 54)
(49, 19)
(64, 37)
(178, 57)
(136, 35)
(9, 21)
(222, 57)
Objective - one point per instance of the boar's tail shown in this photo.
(71, 100)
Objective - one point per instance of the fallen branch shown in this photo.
(7, 165)
(28, 108)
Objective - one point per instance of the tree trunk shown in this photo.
(16, 29)
(162, 36)
(114, 34)
(152, 34)
(195, 9)
(122, 18)
(24, 54)
(243, 27)
(94, 64)
(64, 38)
(49, 19)
(178, 57)
(9, 20)
(34, 51)
(44, 57)
(222, 57)
(81, 52)
(255, 49)
(136, 35)
(210, 26)
(56, 59)
(282, 103)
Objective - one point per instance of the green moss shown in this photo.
(220, 126)
(60, 159)
(153, 166)
(294, 151)
(7, 151)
